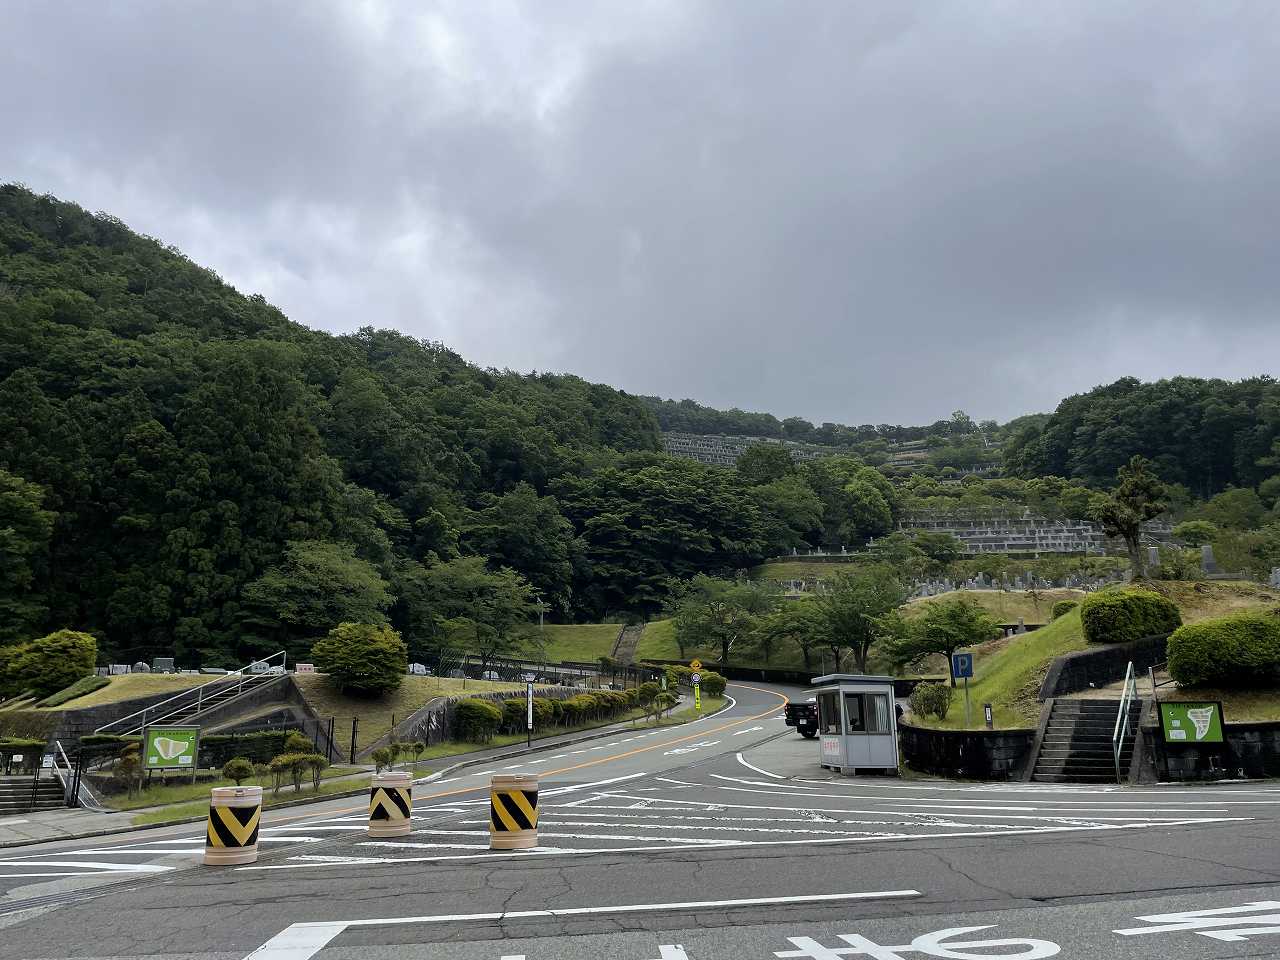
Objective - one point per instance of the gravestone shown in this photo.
(418, 669)
(162, 665)
(141, 667)
(1022, 627)
(119, 669)
(1153, 557)
(1275, 576)
(1207, 562)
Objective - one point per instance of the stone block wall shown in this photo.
(1249, 750)
(1103, 664)
(966, 754)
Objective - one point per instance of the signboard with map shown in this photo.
(1191, 722)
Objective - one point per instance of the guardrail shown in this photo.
(165, 709)
(1122, 718)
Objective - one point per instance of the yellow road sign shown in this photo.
(695, 664)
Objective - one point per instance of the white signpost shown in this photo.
(528, 702)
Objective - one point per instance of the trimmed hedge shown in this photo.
(261, 746)
(476, 720)
(78, 689)
(1237, 651)
(1122, 616)
(1063, 607)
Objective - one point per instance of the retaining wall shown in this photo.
(1100, 665)
(1248, 750)
(967, 754)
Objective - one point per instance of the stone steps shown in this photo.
(1077, 742)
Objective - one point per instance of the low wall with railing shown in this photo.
(1100, 665)
(1248, 750)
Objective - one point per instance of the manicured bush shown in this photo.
(238, 769)
(1063, 607)
(78, 689)
(1121, 616)
(362, 659)
(30, 750)
(931, 700)
(52, 663)
(543, 712)
(647, 691)
(292, 765)
(476, 720)
(315, 764)
(712, 683)
(1236, 651)
(259, 746)
(296, 741)
(514, 711)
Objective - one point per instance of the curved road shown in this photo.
(719, 839)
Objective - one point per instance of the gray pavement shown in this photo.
(723, 839)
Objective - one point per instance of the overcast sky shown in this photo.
(849, 211)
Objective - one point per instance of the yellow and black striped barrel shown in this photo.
(232, 834)
(513, 812)
(390, 804)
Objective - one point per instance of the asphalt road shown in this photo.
(721, 839)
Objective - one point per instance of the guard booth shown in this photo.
(857, 723)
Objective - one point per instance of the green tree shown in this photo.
(1196, 533)
(800, 622)
(857, 609)
(719, 614)
(1138, 497)
(25, 530)
(764, 463)
(790, 512)
(318, 586)
(943, 627)
(482, 611)
(52, 662)
(362, 659)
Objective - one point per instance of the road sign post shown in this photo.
(696, 679)
(962, 666)
(528, 702)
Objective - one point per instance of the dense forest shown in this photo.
(1206, 435)
(183, 468)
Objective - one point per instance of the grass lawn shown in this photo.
(1007, 607)
(133, 685)
(580, 642)
(1238, 706)
(200, 808)
(1008, 673)
(178, 790)
(375, 715)
(658, 642)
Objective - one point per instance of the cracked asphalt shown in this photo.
(719, 839)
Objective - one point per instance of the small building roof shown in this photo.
(850, 678)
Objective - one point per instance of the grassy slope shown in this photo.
(1008, 672)
(375, 715)
(798, 569)
(1006, 606)
(580, 642)
(658, 642)
(134, 685)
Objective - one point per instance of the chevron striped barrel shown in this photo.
(390, 804)
(232, 834)
(513, 812)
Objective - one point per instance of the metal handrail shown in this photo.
(185, 695)
(1122, 718)
(72, 790)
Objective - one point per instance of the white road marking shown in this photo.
(748, 730)
(90, 868)
(302, 941)
(776, 776)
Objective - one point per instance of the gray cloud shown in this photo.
(856, 212)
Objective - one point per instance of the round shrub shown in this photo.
(1122, 616)
(362, 659)
(514, 715)
(298, 742)
(1237, 651)
(931, 700)
(477, 720)
(647, 691)
(1063, 607)
(712, 684)
(51, 663)
(238, 769)
(543, 712)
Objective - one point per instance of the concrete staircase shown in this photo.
(15, 794)
(190, 706)
(1077, 746)
(624, 651)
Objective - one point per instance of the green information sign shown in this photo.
(170, 748)
(1190, 722)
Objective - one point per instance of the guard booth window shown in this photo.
(867, 712)
(828, 713)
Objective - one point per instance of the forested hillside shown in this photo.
(1204, 434)
(182, 468)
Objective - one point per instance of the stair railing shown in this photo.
(157, 712)
(75, 791)
(1122, 718)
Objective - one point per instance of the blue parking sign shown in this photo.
(962, 665)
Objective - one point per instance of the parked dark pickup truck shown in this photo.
(803, 716)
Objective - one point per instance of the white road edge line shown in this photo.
(302, 941)
(766, 773)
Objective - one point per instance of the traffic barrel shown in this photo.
(232, 834)
(513, 812)
(390, 804)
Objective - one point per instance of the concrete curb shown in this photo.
(495, 758)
